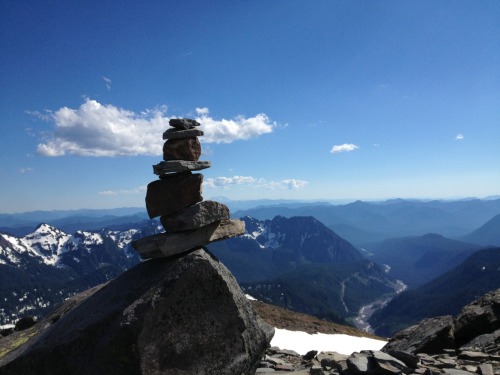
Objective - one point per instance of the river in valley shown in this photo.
(361, 321)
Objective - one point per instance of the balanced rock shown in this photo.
(182, 149)
(181, 316)
(195, 216)
(174, 133)
(170, 244)
(171, 166)
(173, 193)
(183, 123)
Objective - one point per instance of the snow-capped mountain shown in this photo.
(48, 265)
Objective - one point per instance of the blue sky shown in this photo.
(298, 99)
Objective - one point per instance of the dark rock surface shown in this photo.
(479, 317)
(182, 149)
(183, 123)
(184, 315)
(173, 193)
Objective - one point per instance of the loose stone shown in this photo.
(179, 166)
(195, 216)
(174, 133)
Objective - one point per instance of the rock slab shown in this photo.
(178, 316)
(170, 244)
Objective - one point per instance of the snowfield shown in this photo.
(302, 342)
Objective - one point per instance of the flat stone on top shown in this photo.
(169, 244)
(179, 166)
(183, 123)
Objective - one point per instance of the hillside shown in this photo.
(329, 291)
(488, 234)
(446, 295)
(280, 317)
(418, 259)
(300, 264)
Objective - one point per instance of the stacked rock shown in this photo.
(189, 221)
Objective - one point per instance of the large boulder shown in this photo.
(430, 336)
(479, 317)
(183, 315)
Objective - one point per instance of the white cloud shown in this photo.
(459, 137)
(226, 182)
(25, 170)
(96, 129)
(346, 147)
(239, 128)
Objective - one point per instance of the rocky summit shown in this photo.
(182, 315)
(176, 197)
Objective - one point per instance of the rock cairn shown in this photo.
(189, 221)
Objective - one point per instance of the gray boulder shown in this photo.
(184, 315)
(430, 336)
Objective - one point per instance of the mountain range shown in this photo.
(290, 260)
(390, 219)
(48, 265)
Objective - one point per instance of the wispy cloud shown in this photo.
(96, 129)
(346, 147)
(137, 190)
(25, 170)
(226, 182)
(459, 137)
(107, 82)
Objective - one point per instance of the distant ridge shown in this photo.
(488, 234)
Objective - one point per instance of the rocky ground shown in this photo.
(466, 344)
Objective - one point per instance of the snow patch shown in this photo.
(303, 342)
